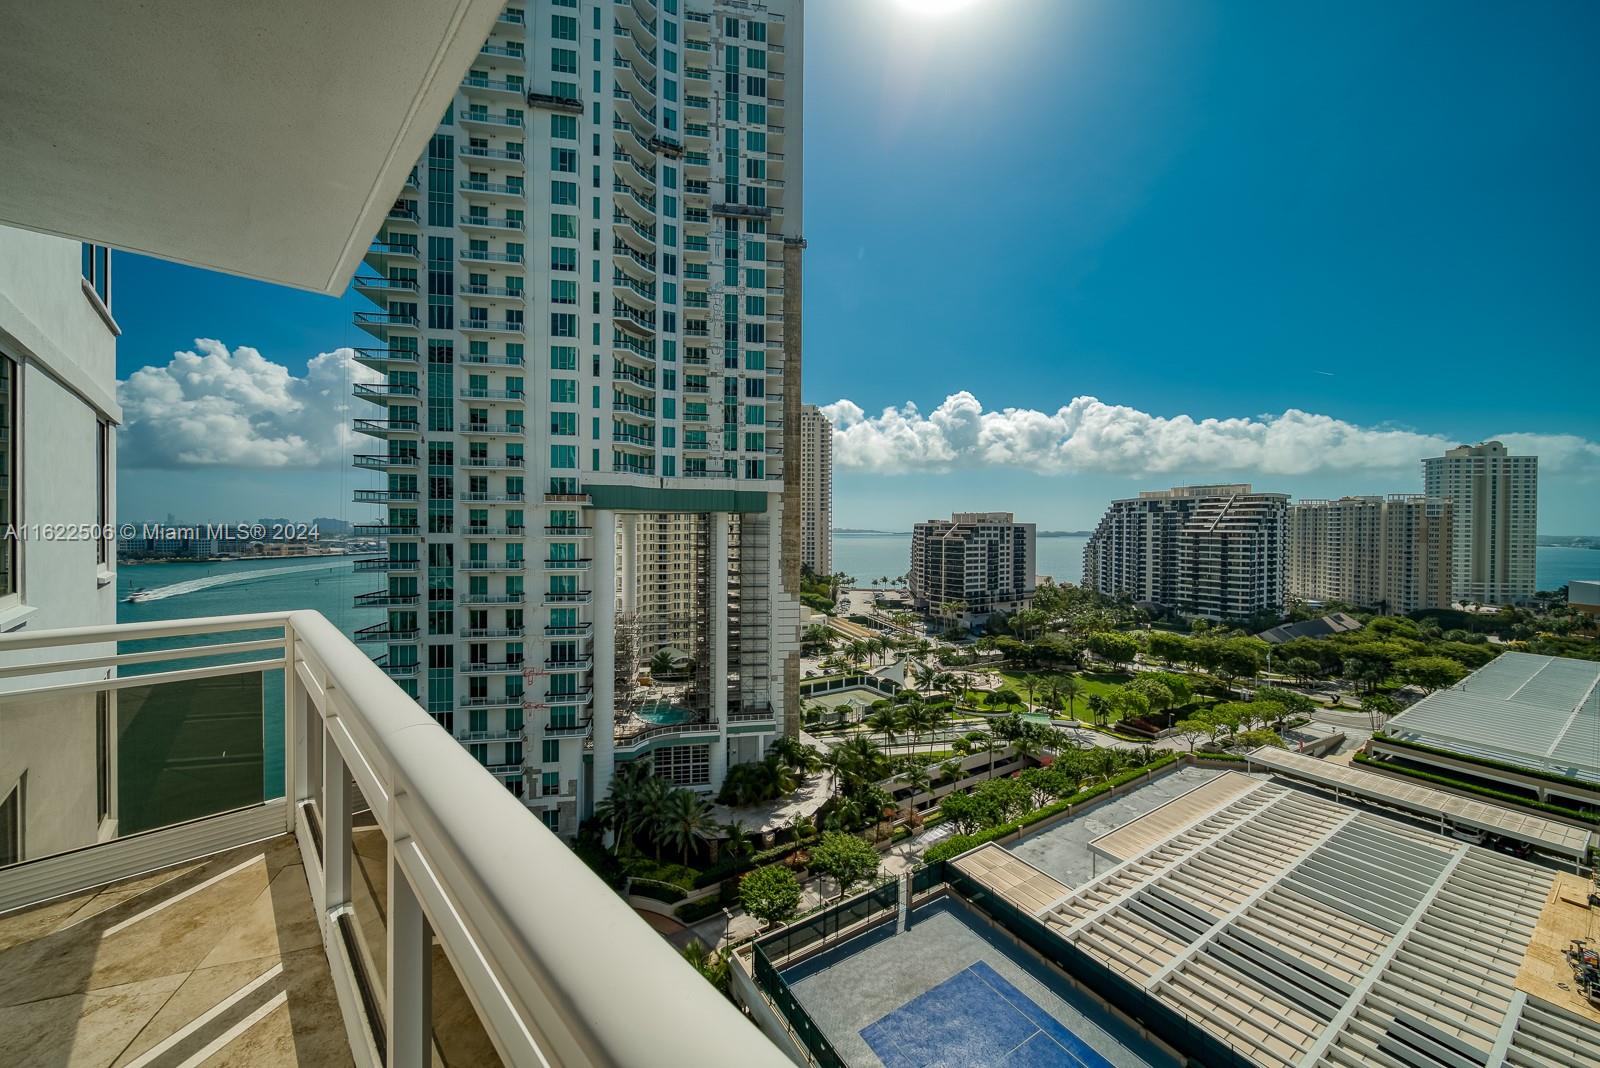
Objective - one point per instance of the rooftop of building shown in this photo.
(1272, 919)
(1321, 627)
(1220, 489)
(1537, 712)
(972, 519)
(1297, 930)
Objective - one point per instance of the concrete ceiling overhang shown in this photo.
(265, 138)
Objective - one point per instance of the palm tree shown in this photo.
(712, 966)
(819, 636)
(1028, 742)
(777, 779)
(686, 818)
(1098, 707)
(654, 795)
(858, 762)
(1105, 761)
(1070, 687)
(886, 719)
(924, 719)
(661, 664)
(796, 754)
(737, 840)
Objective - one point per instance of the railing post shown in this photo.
(297, 785)
(335, 826)
(410, 1008)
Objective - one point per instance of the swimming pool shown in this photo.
(663, 713)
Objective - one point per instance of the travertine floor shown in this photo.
(212, 963)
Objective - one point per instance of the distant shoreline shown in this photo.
(227, 559)
(907, 533)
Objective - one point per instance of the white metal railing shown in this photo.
(558, 969)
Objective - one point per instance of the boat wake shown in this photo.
(178, 589)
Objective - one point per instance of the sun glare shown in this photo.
(933, 8)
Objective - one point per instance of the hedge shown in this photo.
(695, 911)
(658, 891)
(1497, 765)
(660, 871)
(731, 866)
(960, 843)
(1482, 791)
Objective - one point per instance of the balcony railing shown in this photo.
(585, 984)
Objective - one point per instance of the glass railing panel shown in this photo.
(86, 767)
(85, 761)
(190, 749)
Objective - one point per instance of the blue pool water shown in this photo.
(977, 1019)
(662, 714)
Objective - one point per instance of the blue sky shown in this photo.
(1380, 214)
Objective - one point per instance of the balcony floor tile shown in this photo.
(107, 977)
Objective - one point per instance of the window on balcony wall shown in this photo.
(97, 272)
(10, 480)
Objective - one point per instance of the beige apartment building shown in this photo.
(1390, 553)
(1494, 520)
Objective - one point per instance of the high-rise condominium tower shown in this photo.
(816, 490)
(1390, 553)
(972, 565)
(1218, 552)
(589, 356)
(1494, 520)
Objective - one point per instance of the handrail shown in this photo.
(587, 983)
(574, 986)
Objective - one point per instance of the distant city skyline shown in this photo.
(1101, 247)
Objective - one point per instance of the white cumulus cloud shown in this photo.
(1089, 435)
(213, 407)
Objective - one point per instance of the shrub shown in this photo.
(771, 894)
(950, 847)
(1498, 765)
(657, 891)
(960, 843)
(1481, 791)
(695, 911)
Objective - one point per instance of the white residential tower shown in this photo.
(589, 356)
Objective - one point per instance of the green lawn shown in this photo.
(1100, 682)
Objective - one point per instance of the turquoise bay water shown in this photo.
(869, 557)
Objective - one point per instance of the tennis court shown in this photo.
(978, 1020)
(951, 990)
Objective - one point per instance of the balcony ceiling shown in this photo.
(267, 140)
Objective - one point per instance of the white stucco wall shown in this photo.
(65, 351)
